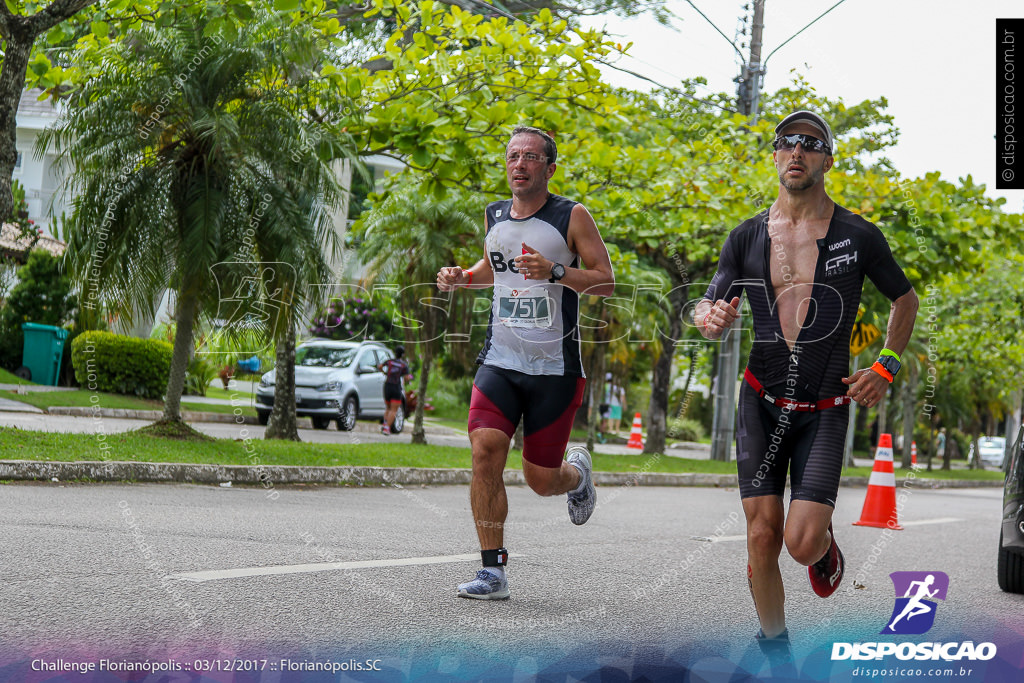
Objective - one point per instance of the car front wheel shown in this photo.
(349, 412)
(1011, 568)
(399, 422)
(263, 417)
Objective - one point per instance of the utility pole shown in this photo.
(748, 95)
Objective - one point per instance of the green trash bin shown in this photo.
(41, 354)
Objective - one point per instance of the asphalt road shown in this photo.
(89, 570)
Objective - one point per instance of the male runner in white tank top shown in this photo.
(530, 363)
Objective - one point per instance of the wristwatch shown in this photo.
(890, 364)
(557, 272)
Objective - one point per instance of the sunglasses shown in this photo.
(808, 142)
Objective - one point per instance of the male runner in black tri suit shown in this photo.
(802, 263)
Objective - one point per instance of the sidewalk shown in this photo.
(25, 388)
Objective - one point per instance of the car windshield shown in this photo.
(324, 356)
(994, 441)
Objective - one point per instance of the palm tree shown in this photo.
(170, 151)
(406, 239)
(299, 247)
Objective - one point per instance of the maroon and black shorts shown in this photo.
(547, 405)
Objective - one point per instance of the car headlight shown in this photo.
(329, 386)
(265, 383)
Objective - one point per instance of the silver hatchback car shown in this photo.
(334, 381)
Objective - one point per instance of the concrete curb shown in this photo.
(153, 415)
(271, 475)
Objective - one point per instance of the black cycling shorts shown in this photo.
(547, 405)
(392, 392)
(771, 442)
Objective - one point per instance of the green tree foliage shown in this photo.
(169, 171)
(42, 295)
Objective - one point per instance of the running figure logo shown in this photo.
(914, 612)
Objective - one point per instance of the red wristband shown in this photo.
(880, 369)
(706, 319)
(470, 280)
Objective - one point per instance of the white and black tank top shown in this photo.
(533, 326)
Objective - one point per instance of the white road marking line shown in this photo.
(719, 539)
(937, 520)
(220, 574)
(743, 537)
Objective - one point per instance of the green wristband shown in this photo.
(887, 352)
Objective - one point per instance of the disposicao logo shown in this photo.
(916, 595)
(914, 614)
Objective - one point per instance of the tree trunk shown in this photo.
(418, 434)
(182, 354)
(596, 394)
(931, 445)
(909, 396)
(17, 48)
(975, 463)
(661, 377)
(1012, 427)
(691, 352)
(282, 422)
(881, 415)
(428, 342)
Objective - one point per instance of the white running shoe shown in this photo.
(581, 505)
(486, 586)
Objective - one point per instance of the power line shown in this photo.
(508, 15)
(802, 30)
(697, 9)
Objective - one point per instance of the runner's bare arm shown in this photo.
(902, 315)
(585, 240)
(477, 276)
(866, 386)
(450, 277)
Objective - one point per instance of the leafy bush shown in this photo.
(223, 350)
(685, 429)
(450, 397)
(113, 363)
(199, 375)
(352, 319)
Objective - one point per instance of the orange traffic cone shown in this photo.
(913, 452)
(880, 503)
(636, 436)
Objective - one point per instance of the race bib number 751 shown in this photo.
(524, 311)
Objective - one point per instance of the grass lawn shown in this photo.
(82, 398)
(27, 445)
(11, 378)
(230, 394)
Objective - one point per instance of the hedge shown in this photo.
(116, 364)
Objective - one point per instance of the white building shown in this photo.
(38, 175)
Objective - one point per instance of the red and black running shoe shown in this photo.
(826, 574)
